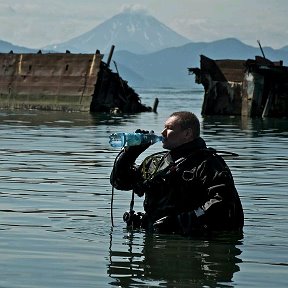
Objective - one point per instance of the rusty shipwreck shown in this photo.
(64, 82)
(253, 88)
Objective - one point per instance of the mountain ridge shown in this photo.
(6, 47)
(136, 32)
(152, 60)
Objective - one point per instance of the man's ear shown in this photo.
(189, 133)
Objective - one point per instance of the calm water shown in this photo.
(55, 204)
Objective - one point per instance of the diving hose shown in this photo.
(112, 194)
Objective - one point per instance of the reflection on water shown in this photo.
(255, 127)
(55, 203)
(174, 261)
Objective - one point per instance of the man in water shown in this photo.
(188, 190)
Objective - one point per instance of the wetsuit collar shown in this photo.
(187, 148)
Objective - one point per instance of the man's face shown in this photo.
(173, 135)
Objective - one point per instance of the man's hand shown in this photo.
(142, 131)
(138, 149)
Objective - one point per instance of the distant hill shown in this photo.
(6, 47)
(168, 67)
(136, 32)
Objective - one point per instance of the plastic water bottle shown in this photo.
(122, 139)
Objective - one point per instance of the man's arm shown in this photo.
(124, 174)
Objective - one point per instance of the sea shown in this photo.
(61, 223)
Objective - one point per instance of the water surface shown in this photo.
(55, 203)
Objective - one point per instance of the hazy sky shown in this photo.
(37, 23)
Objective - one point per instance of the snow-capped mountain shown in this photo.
(132, 31)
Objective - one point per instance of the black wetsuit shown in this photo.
(190, 186)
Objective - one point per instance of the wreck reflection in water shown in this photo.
(174, 261)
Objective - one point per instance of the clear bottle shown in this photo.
(121, 139)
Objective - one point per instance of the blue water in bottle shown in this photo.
(121, 139)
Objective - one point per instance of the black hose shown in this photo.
(112, 194)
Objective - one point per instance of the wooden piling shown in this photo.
(155, 105)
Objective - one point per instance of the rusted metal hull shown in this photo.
(253, 88)
(63, 81)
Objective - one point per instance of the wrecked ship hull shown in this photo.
(63, 82)
(253, 88)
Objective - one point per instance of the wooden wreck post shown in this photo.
(155, 105)
(110, 56)
(112, 94)
(268, 104)
(252, 94)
